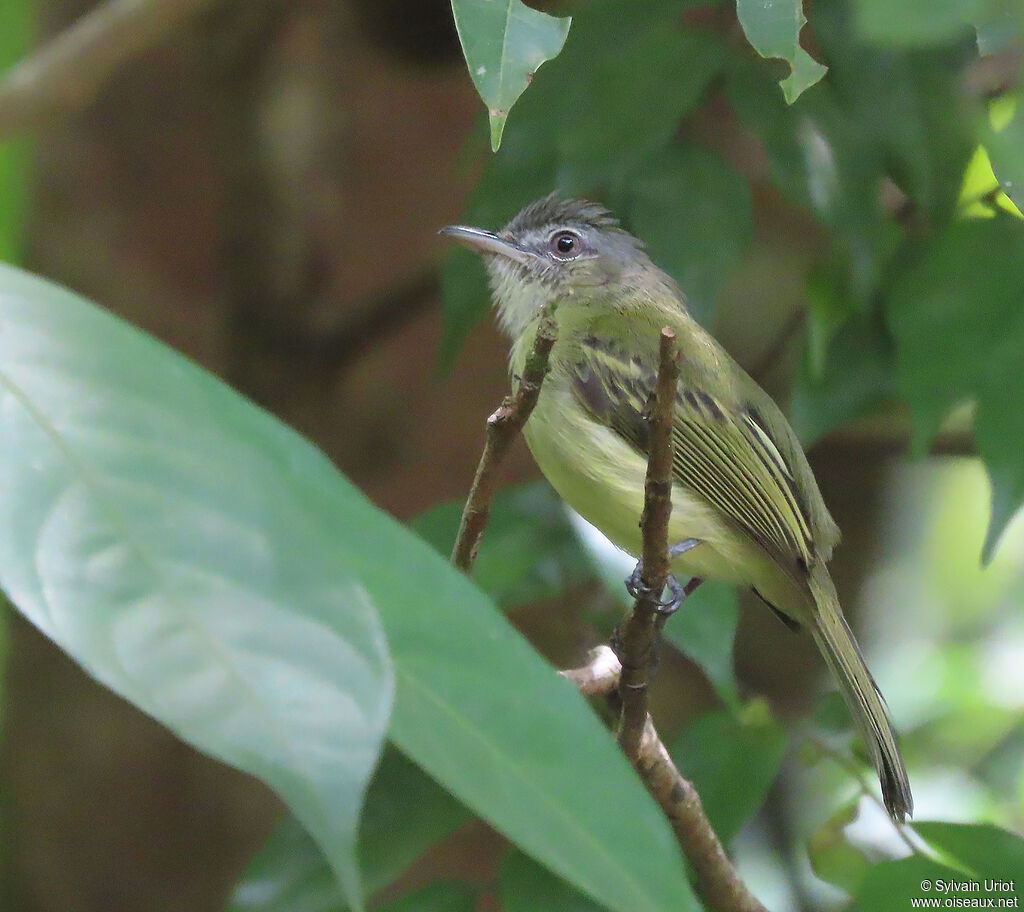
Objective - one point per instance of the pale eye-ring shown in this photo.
(566, 244)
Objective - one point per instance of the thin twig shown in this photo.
(67, 72)
(717, 880)
(502, 428)
(637, 634)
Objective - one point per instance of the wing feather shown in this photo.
(723, 452)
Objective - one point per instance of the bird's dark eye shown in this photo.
(565, 244)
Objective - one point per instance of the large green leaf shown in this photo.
(213, 567)
(405, 812)
(959, 329)
(773, 28)
(182, 546)
(505, 42)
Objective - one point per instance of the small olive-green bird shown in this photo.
(745, 506)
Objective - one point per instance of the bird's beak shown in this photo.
(487, 242)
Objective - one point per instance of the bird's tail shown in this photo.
(861, 693)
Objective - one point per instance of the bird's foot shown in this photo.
(636, 587)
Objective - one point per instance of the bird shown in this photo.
(746, 508)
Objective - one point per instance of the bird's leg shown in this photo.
(635, 584)
(678, 594)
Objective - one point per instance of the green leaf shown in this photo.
(704, 629)
(183, 547)
(505, 42)
(1006, 152)
(907, 22)
(732, 761)
(986, 850)
(959, 330)
(115, 541)
(290, 874)
(832, 856)
(489, 720)
(858, 375)
(16, 28)
(613, 97)
(524, 886)
(892, 885)
(773, 28)
(530, 551)
(622, 89)
(694, 213)
(439, 897)
(404, 813)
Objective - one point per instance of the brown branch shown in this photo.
(717, 880)
(502, 428)
(637, 634)
(67, 72)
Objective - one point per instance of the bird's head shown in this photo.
(570, 250)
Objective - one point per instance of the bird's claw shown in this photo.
(636, 587)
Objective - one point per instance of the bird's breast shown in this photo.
(601, 477)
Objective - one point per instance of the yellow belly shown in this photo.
(606, 487)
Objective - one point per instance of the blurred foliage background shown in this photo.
(259, 185)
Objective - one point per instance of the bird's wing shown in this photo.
(723, 451)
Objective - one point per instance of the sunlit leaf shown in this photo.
(1006, 151)
(773, 28)
(405, 811)
(505, 42)
(184, 547)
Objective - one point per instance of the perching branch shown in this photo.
(603, 674)
(502, 428)
(637, 634)
(717, 880)
(67, 72)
